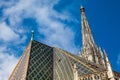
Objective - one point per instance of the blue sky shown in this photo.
(56, 23)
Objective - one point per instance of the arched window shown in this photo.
(97, 77)
(91, 78)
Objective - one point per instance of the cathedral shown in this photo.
(43, 62)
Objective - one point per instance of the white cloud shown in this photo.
(7, 34)
(49, 20)
(7, 63)
(7, 3)
(55, 32)
(42, 9)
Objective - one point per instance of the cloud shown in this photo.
(55, 32)
(7, 3)
(33, 8)
(51, 23)
(7, 63)
(7, 34)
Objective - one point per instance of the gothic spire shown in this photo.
(87, 38)
(89, 49)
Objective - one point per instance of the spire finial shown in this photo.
(81, 6)
(82, 9)
(32, 37)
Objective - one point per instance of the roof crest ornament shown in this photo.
(32, 37)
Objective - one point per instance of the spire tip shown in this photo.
(32, 37)
(82, 9)
(81, 6)
(32, 31)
